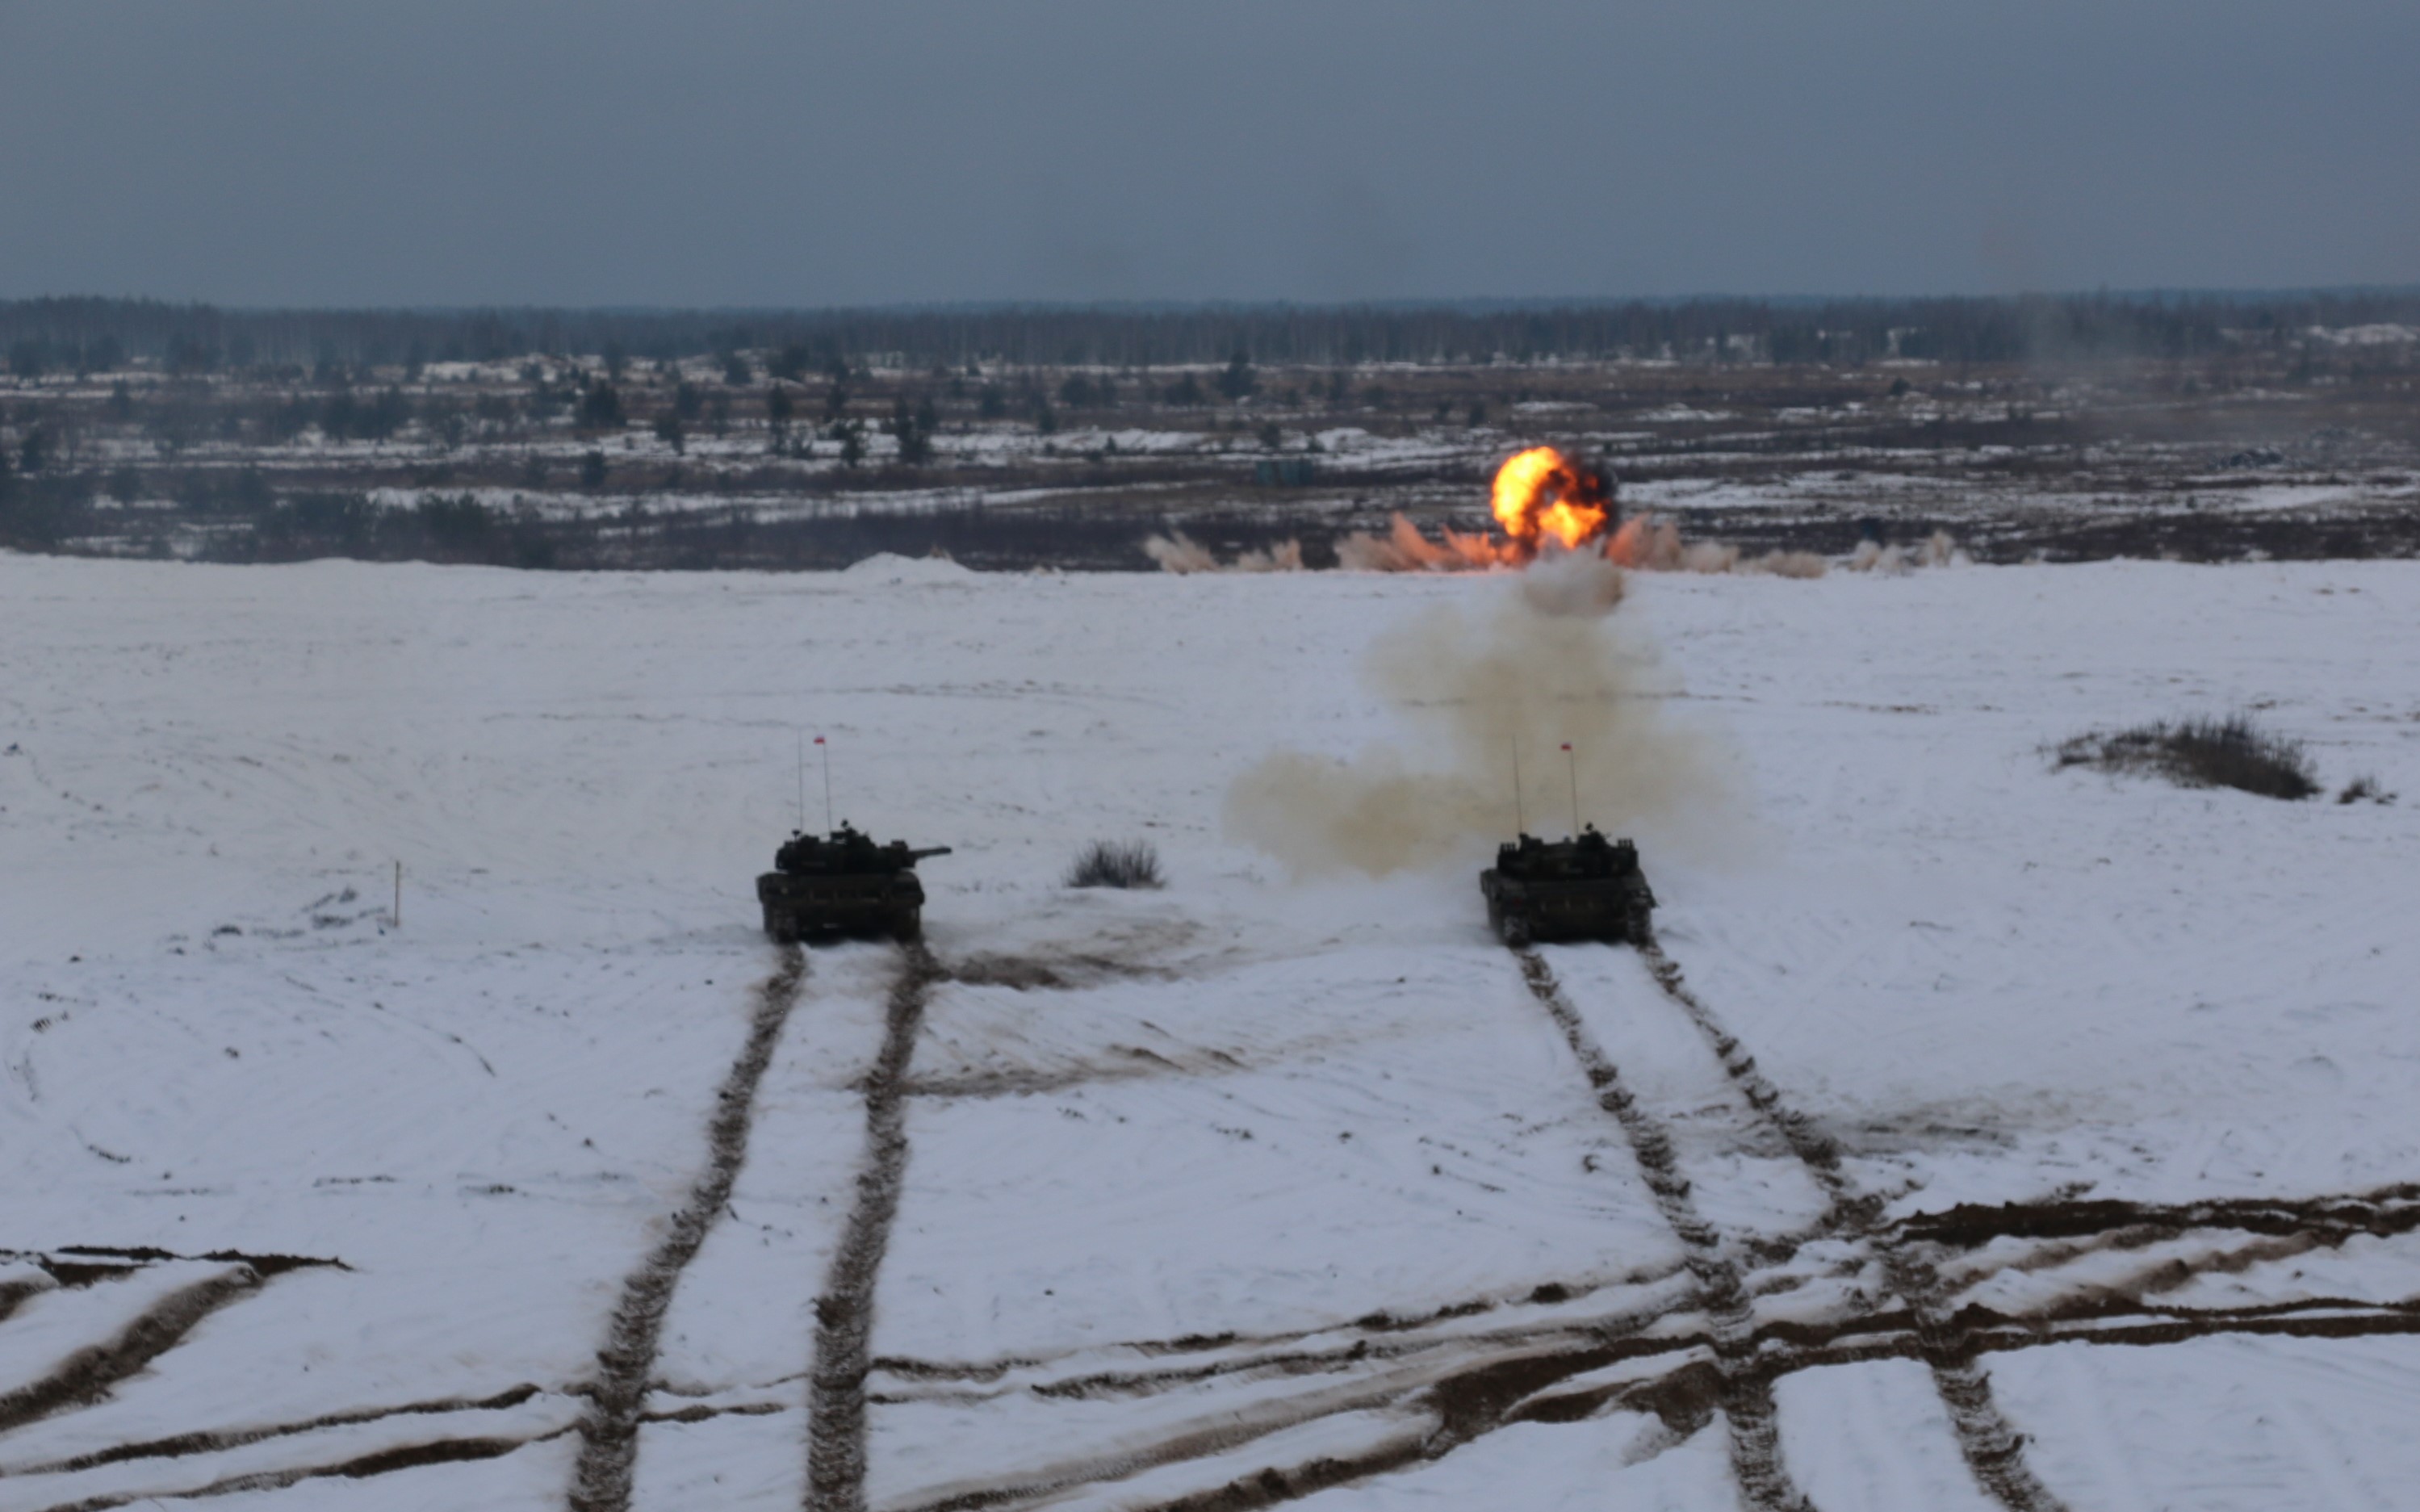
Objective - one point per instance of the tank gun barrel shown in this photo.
(931, 850)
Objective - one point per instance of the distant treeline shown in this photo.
(245, 523)
(98, 334)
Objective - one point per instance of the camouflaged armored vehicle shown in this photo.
(1584, 888)
(844, 886)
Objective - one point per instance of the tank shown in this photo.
(844, 886)
(1584, 888)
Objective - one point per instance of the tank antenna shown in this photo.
(803, 781)
(1520, 825)
(827, 753)
(1573, 762)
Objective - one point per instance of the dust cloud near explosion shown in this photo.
(1544, 665)
(1543, 501)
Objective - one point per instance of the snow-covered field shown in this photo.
(2066, 1113)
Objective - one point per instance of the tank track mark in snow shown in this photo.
(844, 1308)
(89, 1374)
(1743, 1384)
(1992, 1448)
(609, 1432)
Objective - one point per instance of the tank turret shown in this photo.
(846, 849)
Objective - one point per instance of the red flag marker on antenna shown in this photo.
(826, 754)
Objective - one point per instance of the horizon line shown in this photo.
(1478, 304)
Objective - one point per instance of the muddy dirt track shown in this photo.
(1994, 1450)
(1454, 1383)
(88, 1374)
(844, 1309)
(1742, 1389)
(616, 1400)
(1985, 1438)
(1453, 1390)
(1683, 1345)
(609, 1433)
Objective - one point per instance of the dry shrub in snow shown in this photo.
(2201, 752)
(1116, 863)
(2364, 789)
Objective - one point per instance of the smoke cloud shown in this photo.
(1543, 664)
(1179, 553)
(1645, 543)
(1404, 549)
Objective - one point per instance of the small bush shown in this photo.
(1116, 863)
(2202, 753)
(2364, 789)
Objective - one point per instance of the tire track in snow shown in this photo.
(1992, 1446)
(844, 1308)
(2328, 1219)
(609, 1432)
(88, 1374)
(1452, 1391)
(360, 1466)
(1440, 1406)
(1452, 1401)
(1370, 1333)
(183, 1444)
(1520, 1390)
(1744, 1388)
(1992, 1333)
(1098, 1383)
(1445, 1409)
(88, 1259)
(14, 1294)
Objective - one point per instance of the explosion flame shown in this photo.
(1541, 492)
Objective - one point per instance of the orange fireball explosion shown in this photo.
(1541, 492)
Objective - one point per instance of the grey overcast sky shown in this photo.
(746, 152)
